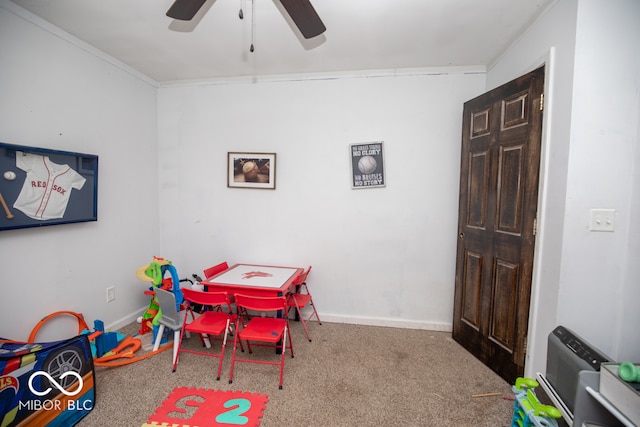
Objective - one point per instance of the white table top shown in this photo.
(263, 276)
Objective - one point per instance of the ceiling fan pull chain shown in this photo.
(241, 13)
(253, 23)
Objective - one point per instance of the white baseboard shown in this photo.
(331, 318)
(394, 323)
(124, 321)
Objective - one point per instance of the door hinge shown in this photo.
(542, 102)
(535, 226)
(524, 350)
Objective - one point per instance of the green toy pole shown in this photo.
(629, 372)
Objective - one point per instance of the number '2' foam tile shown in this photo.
(191, 407)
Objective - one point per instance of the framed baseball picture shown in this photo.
(251, 170)
(40, 187)
(367, 165)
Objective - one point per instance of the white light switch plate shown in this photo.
(602, 220)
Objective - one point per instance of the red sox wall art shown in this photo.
(46, 187)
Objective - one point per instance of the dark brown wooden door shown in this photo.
(501, 139)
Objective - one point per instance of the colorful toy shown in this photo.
(108, 349)
(103, 342)
(155, 273)
(82, 324)
(527, 410)
(47, 383)
(629, 372)
(126, 349)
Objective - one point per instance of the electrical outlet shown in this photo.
(602, 220)
(111, 293)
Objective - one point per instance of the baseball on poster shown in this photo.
(367, 165)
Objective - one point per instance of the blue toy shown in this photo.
(104, 342)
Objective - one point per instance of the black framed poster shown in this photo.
(367, 165)
(40, 187)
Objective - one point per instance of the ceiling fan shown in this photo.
(301, 12)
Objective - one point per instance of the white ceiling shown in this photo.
(361, 34)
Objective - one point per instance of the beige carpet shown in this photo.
(350, 375)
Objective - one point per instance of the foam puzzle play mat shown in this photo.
(198, 407)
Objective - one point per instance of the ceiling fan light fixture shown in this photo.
(302, 14)
(185, 10)
(305, 17)
(253, 24)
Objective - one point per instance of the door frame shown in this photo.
(544, 292)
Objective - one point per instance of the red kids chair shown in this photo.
(210, 323)
(299, 298)
(213, 270)
(269, 331)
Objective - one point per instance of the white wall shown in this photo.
(598, 270)
(58, 95)
(383, 256)
(585, 280)
(398, 241)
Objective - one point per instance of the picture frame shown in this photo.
(251, 170)
(367, 165)
(41, 187)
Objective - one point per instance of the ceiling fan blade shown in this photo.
(304, 16)
(185, 10)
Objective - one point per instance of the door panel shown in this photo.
(510, 190)
(478, 176)
(503, 303)
(500, 159)
(471, 300)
